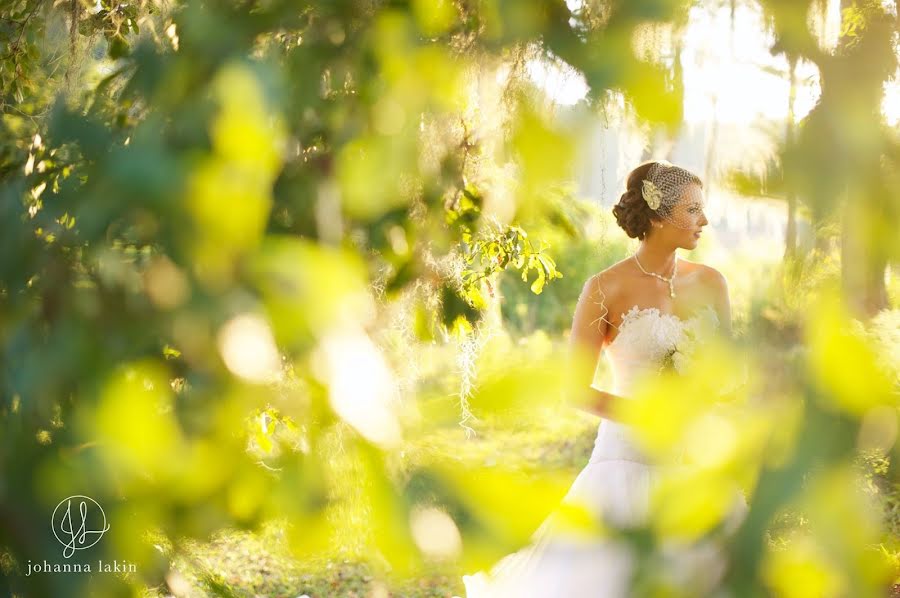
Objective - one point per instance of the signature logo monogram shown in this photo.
(78, 523)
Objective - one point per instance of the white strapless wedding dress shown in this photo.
(615, 485)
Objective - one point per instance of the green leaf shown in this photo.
(538, 285)
(118, 47)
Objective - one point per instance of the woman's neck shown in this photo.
(656, 259)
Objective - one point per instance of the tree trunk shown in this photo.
(790, 234)
(863, 267)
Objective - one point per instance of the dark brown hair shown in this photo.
(632, 212)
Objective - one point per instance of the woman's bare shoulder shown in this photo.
(708, 283)
(704, 271)
(605, 286)
(608, 278)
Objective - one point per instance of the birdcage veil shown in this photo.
(674, 193)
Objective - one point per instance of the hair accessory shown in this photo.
(673, 193)
(652, 194)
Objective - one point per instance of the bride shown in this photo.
(631, 312)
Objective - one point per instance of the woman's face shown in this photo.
(684, 225)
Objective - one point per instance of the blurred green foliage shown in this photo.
(240, 244)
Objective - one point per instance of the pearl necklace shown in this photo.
(669, 280)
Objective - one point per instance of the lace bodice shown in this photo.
(646, 337)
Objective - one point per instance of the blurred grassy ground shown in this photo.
(244, 564)
(249, 565)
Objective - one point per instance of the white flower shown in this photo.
(652, 194)
(680, 356)
(681, 362)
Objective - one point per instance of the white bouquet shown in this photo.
(680, 356)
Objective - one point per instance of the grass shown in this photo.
(246, 565)
(249, 565)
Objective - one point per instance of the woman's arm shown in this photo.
(586, 341)
(600, 403)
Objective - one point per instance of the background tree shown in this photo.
(232, 233)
